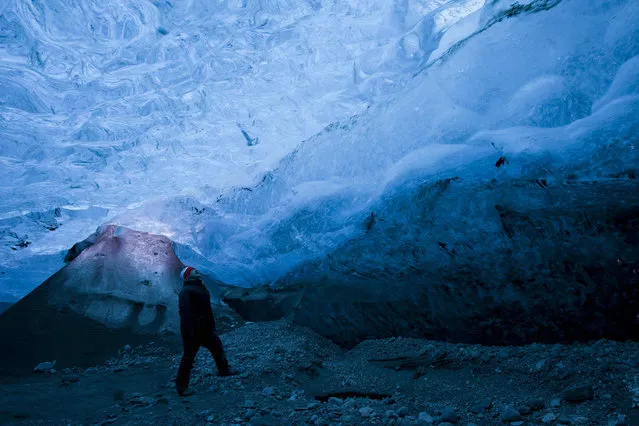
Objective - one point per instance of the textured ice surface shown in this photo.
(258, 134)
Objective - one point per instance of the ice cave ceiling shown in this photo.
(276, 140)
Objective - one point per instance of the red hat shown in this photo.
(186, 272)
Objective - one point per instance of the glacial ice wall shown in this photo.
(508, 86)
(108, 106)
(261, 135)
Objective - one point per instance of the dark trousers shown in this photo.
(210, 341)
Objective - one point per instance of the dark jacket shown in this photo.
(196, 316)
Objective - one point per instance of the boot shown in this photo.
(223, 369)
(185, 392)
(228, 372)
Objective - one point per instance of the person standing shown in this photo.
(197, 326)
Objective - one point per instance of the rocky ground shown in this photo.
(290, 375)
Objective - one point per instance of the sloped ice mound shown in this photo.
(119, 287)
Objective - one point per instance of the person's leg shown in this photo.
(186, 365)
(213, 343)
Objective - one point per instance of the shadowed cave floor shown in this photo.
(291, 375)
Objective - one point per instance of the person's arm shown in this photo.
(187, 319)
(205, 305)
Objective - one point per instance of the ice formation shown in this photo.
(264, 135)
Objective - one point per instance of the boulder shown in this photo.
(482, 405)
(578, 394)
(509, 414)
(449, 415)
(44, 367)
(366, 412)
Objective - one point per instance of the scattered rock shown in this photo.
(403, 412)
(285, 376)
(425, 418)
(502, 354)
(45, 367)
(618, 420)
(388, 406)
(509, 414)
(535, 404)
(264, 420)
(524, 410)
(366, 412)
(335, 401)
(449, 415)
(563, 420)
(349, 403)
(578, 394)
(334, 415)
(482, 406)
(112, 418)
(138, 400)
(69, 378)
(322, 421)
(297, 394)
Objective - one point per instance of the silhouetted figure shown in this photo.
(197, 326)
